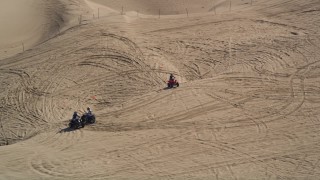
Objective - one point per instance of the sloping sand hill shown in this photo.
(247, 106)
(26, 23)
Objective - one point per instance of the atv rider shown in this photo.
(89, 112)
(75, 116)
(171, 77)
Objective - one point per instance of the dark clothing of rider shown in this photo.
(89, 113)
(171, 77)
(75, 116)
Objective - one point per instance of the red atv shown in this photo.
(172, 83)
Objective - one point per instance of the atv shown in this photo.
(173, 83)
(76, 123)
(88, 119)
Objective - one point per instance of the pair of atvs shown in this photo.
(82, 121)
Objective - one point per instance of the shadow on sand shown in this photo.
(167, 88)
(67, 129)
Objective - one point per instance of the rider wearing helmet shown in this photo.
(89, 111)
(171, 77)
(75, 115)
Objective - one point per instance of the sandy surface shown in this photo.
(247, 108)
(28, 23)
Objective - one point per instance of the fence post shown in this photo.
(22, 46)
(230, 6)
(187, 12)
(159, 13)
(98, 13)
(230, 47)
(80, 19)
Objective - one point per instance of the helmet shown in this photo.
(75, 112)
(88, 108)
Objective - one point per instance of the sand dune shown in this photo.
(17, 19)
(30, 22)
(247, 107)
(20, 22)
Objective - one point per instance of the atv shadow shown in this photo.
(67, 129)
(167, 88)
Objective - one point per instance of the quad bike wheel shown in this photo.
(82, 124)
(93, 120)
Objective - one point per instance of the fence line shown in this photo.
(187, 11)
(228, 6)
